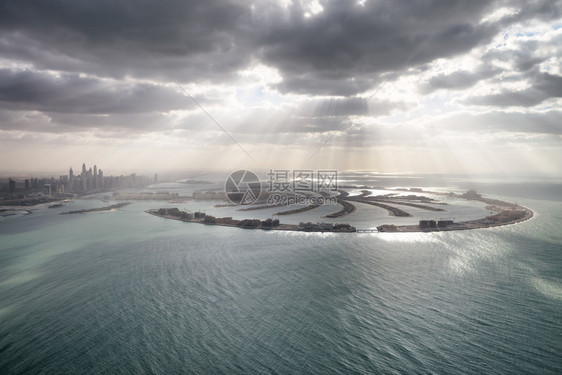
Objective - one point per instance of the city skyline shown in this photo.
(387, 86)
(88, 180)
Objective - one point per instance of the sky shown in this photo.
(426, 86)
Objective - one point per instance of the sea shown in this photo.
(125, 292)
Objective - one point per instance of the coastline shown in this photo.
(504, 217)
(308, 227)
(111, 208)
(504, 214)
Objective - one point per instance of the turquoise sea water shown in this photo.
(129, 293)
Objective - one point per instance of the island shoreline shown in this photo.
(507, 214)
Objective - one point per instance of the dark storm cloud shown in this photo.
(130, 122)
(209, 40)
(197, 39)
(346, 49)
(124, 124)
(459, 80)
(524, 66)
(544, 86)
(345, 107)
(526, 54)
(548, 122)
(324, 83)
(71, 93)
(522, 60)
(40, 122)
(347, 46)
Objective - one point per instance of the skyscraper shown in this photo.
(100, 177)
(12, 186)
(89, 184)
(70, 180)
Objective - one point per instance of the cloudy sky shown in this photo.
(432, 86)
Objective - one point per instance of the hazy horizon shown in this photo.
(378, 178)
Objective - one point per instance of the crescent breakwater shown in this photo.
(504, 214)
(268, 224)
(98, 209)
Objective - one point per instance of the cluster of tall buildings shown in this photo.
(92, 181)
(89, 180)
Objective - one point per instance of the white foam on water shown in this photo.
(550, 289)
(20, 278)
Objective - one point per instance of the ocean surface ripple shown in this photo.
(130, 293)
